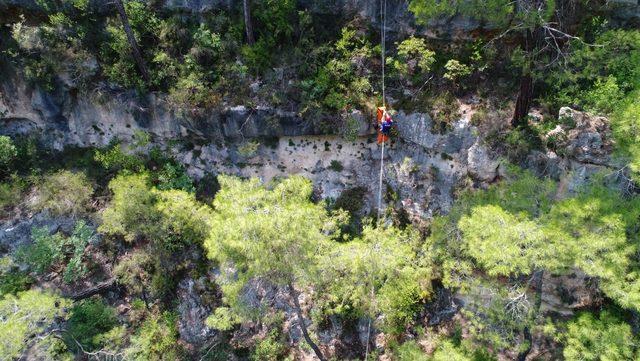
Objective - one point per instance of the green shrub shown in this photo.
(8, 151)
(63, 193)
(174, 176)
(344, 81)
(131, 212)
(44, 252)
(118, 64)
(596, 77)
(170, 218)
(625, 124)
(445, 111)
(88, 321)
(410, 351)
(604, 96)
(115, 159)
(248, 149)
(156, 339)
(10, 195)
(25, 315)
(12, 279)
(75, 246)
(604, 338)
(336, 166)
(414, 59)
(48, 250)
(271, 348)
(456, 71)
(400, 300)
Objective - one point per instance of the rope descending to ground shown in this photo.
(383, 23)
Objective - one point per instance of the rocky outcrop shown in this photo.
(579, 147)
(482, 165)
(17, 232)
(193, 312)
(211, 142)
(589, 140)
(65, 118)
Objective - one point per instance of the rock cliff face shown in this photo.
(421, 170)
(421, 167)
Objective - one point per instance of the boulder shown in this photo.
(590, 140)
(481, 165)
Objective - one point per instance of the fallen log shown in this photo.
(100, 288)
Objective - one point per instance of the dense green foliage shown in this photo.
(602, 338)
(276, 234)
(64, 193)
(24, 315)
(50, 250)
(12, 279)
(87, 321)
(8, 152)
(379, 273)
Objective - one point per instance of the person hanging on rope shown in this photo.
(385, 124)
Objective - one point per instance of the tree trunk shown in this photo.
(536, 281)
(522, 356)
(537, 284)
(248, 25)
(523, 103)
(294, 295)
(100, 288)
(135, 49)
(525, 94)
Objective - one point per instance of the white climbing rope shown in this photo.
(380, 181)
(383, 23)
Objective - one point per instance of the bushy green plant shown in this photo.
(10, 194)
(343, 82)
(75, 247)
(63, 193)
(156, 339)
(271, 348)
(625, 124)
(135, 272)
(119, 66)
(174, 176)
(410, 351)
(87, 321)
(336, 166)
(455, 71)
(413, 60)
(12, 279)
(44, 252)
(26, 314)
(8, 151)
(48, 250)
(131, 212)
(171, 218)
(597, 77)
(115, 159)
(380, 272)
(606, 337)
(554, 235)
(445, 111)
(223, 318)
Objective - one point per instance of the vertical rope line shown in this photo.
(383, 23)
(380, 183)
(383, 40)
